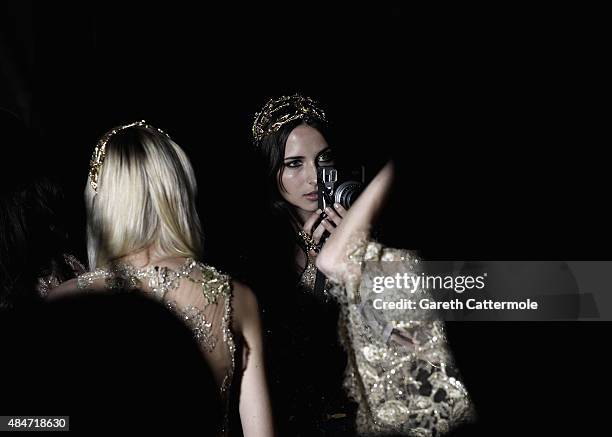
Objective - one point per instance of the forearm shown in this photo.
(254, 403)
(357, 223)
(255, 409)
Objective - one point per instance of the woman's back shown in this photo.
(144, 234)
(197, 293)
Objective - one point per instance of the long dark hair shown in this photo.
(272, 154)
(272, 151)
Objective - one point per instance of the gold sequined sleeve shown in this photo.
(409, 387)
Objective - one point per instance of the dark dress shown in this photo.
(305, 359)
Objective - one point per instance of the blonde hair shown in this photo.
(145, 197)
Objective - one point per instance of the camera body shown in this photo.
(334, 186)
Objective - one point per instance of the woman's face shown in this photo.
(305, 150)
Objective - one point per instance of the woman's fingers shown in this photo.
(325, 225)
(329, 227)
(333, 216)
(340, 209)
(318, 232)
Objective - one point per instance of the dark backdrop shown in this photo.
(493, 117)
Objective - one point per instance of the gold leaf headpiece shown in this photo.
(278, 112)
(99, 153)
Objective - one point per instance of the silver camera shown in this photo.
(332, 188)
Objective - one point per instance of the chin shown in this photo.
(311, 206)
(308, 206)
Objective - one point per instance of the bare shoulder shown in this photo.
(71, 287)
(244, 298)
(244, 304)
(66, 288)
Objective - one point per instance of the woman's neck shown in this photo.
(303, 215)
(299, 217)
(146, 257)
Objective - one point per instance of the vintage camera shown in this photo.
(333, 188)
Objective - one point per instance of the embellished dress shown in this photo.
(199, 295)
(67, 268)
(409, 387)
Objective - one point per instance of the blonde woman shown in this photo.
(144, 234)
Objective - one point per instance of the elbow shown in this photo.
(329, 263)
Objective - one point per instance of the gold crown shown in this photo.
(278, 112)
(99, 153)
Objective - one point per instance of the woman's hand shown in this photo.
(329, 224)
(333, 260)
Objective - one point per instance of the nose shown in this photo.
(312, 175)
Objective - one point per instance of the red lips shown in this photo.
(313, 195)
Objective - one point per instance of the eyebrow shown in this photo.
(301, 157)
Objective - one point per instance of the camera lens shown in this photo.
(347, 193)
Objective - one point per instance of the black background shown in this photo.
(494, 118)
